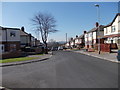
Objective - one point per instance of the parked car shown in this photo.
(54, 48)
(118, 55)
(27, 49)
(60, 48)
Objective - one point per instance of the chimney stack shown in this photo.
(85, 32)
(71, 38)
(97, 24)
(76, 36)
(23, 29)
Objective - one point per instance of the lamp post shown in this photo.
(98, 17)
(66, 37)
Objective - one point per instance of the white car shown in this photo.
(60, 48)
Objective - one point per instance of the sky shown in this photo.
(72, 17)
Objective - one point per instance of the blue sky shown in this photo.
(72, 17)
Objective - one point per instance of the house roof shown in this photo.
(95, 29)
(81, 36)
(32, 36)
(118, 14)
(23, 33)
(92, 30)
(5, 28)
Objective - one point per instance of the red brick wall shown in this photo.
(7, 45)
(11, 54)
(103, 47)
(114, 46)
(38, 50)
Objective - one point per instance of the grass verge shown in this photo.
(17, 59)
(40, 54)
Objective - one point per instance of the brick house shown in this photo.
(112, 32)
(37, 42)
(91, 37)
(79, 41)
(25, 39)
(67, 45)
(9, 42)
(32, 41)
(72, 43)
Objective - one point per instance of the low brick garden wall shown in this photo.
(103, 47)
(11, 54)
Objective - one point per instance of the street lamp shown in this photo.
(98, 17)
(66, 37)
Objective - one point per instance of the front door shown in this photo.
(1, 48)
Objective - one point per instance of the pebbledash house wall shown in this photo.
(86, 40)
(90, 39)
(94, 37)
(72, 44)
(9, 42)
(78, 42)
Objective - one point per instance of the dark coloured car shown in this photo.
(27, 49)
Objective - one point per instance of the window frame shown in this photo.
(12, 34)
(113, 29)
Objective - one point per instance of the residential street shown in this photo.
(63, 70)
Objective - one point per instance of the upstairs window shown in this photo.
(12, 34)
(90, 34)
(113, 29)
(106, 30)
(119, 21)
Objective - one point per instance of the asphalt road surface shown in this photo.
(63, 70)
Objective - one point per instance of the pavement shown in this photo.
(40, 58)
(103, 55)
(64, 69)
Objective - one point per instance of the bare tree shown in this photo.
(53, 43)
(45, 24)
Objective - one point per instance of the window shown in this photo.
(1, 48)
(12, 47)
(90, 34)
(106, 30)
(119, 21)
(12, 34)
(112, 28)
(118, 41)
